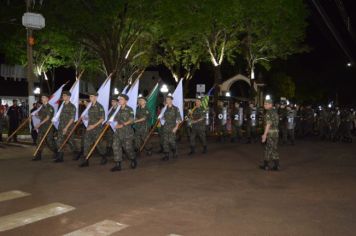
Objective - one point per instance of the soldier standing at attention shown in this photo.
(108, 137)
(143, 117)
(270, 136)
(96, 116)
(124, 135)
(172, 119)
(251, 118)
(221, 122)
(45, 115)
(66, 121)
(197, 117)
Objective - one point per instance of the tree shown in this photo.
(282, 85)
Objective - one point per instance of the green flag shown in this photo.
(152, 104)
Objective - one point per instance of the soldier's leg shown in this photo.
(39, 138)
(202, 137)
(51, 142)
(248, 133)
(129, 150)
(274, 153)
(192, 139)
(117, 147)
(172, 143)
(165, 143)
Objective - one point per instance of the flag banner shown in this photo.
(74, 98)
(205, 99)
(103, 88)
(53, 101)
(152, 104)
(178, 101)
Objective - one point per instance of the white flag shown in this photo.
(104, 88)
(133, 94)
(177, 101)
(53, 101)
(74, 98)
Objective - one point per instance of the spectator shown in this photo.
(15, 116)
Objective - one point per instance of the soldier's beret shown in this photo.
(169, 96)
(44, 95)
(114, 97)
(66, 93)
(93, 94)
(268, 101)
(124, 96)
(199, 98)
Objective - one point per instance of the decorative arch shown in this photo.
(225, 87)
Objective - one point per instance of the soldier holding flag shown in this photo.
(124, 135)
(143, 117)
(45, 115)
(197, 117)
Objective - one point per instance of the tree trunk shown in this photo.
(186, 87)
(217, 83)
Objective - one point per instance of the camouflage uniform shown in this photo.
(46, 110)
(198, 128)
(308, 118)
(123, 138)
(251, 128)
(95, 113)
(171, 117)
(142, 128)
(68, 113)
(109, 135)
(271, 117)
(324, 129)
(237, 116)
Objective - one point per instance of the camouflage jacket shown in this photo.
(46, 110)
(197, 114)
(171, 117)
(142, 113)
(271, 117)
(124, 115)
(68, 113)
(95, 113)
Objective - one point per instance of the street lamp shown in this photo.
(37, 91)
(164, 88)
(349, 64)
(268, 97)
(227, 94)
(116, 91)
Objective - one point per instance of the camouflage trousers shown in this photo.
(236, 131)
(109, 137)
(49, 139)
(221, 130)
(271, 147)
(61, 137)
(169, 139)
(140, 136)
(90, 138)
(123, 143)
(198, 132)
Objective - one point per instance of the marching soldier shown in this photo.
(66, 121)
(222, 121)
(108, 137)
(124, 135)
(270, 136)
(96, 116)
(237, 116)
(45, 115)
(172, 119)
(251, 119)
(143, 117)
(197, 119)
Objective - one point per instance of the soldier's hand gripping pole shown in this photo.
(19, 128)
(97, 141)
(70, 134)
(149, 135)
(43, 139)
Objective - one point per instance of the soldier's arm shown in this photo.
(131, 119)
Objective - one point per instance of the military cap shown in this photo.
(45, 95)
(169, 96)
(66, 93)
(114, 97)
(124, 96)
(142, 97)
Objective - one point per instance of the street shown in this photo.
(220, 193)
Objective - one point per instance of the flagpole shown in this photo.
(43, 139)
(70, 134)
(97, 141)
(19, 128)
(149, 135)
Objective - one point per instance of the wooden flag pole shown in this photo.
(43, 139)
(149, 135)
(97, 141)
(70, 134)
(19, 128)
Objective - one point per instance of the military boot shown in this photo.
(78, 156)
(59, 157)
(38, 157)
(264, 166)
(192, 150)
(165, 157)
(117, 167)
(205, 149)
(276, 166)
(85, 163)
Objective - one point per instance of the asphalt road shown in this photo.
(220, 193)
